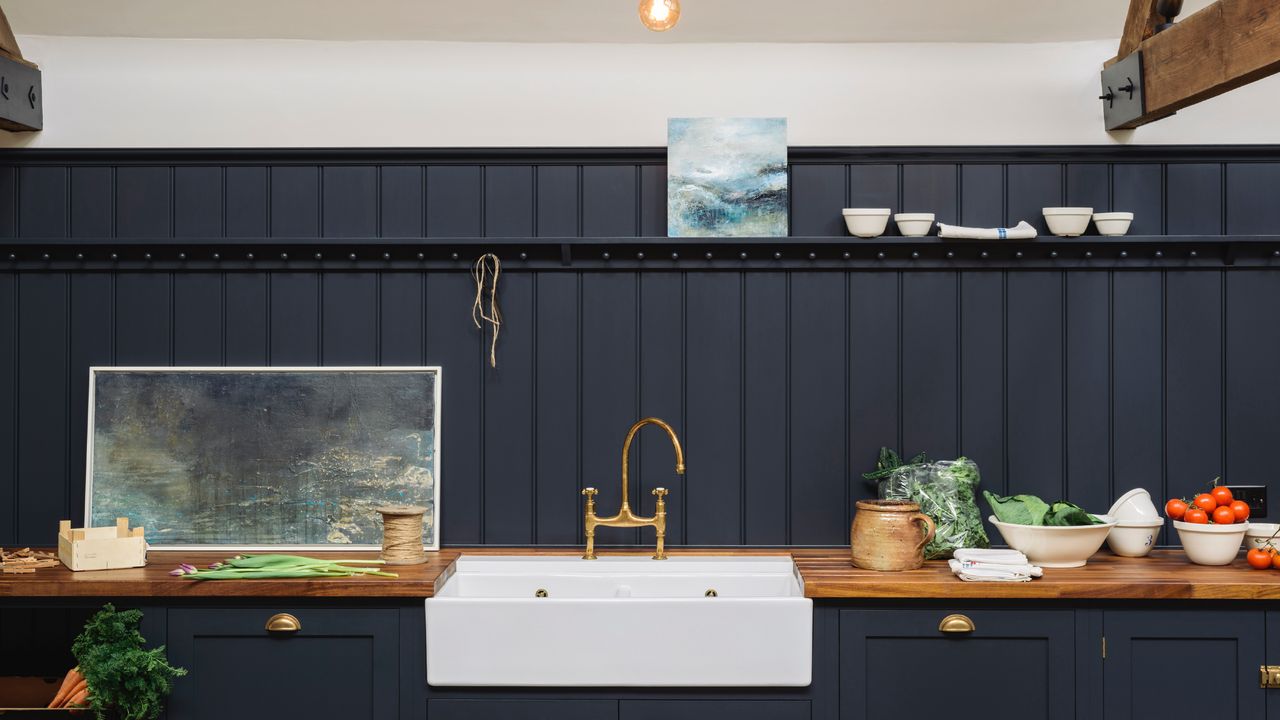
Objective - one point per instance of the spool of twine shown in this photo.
(402, 534)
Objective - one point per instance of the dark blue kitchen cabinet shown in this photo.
(1013, 665)
(1273, 658)
(517, 709)
(699, 709)
(341, 663)
(1157, 659)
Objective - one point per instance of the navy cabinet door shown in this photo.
(438, 709)
(1273, 658)
(1155, 659)
(1014, 665)
(699, 709)
(343, 663)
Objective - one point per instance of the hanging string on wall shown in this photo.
(485, 272)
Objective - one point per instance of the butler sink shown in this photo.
(620, 621)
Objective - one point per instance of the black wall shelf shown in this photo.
(1089, 252)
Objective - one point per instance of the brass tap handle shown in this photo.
(589, 492)
(659, 492)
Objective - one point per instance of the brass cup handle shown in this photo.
(956, 623)
(929, 529)
(283, 623)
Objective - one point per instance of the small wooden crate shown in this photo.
(104, 548)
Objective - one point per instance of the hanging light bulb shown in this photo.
(659, 15)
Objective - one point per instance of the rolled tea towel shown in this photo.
(1023, 231)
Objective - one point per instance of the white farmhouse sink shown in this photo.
(620, 621)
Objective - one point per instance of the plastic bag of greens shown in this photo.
(945, 491)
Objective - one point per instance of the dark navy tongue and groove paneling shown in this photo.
(1072, 377)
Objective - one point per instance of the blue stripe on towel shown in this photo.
(1004, 233)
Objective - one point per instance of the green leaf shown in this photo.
(124, 679)
(1063, 513)
(1017, 509)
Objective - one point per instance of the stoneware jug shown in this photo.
(889, 535)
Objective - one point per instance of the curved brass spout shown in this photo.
(625, 517)
(626, 454)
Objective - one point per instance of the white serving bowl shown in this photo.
(1134, 539)
(1259, 534)
(1054, 546)
(1209, 543)
(1067, 221)
(1112, 223)
(866, 222)
(914, 224)
(1135, 506)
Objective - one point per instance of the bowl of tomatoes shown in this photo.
(1210, 525)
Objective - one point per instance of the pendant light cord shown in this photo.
(487, 268)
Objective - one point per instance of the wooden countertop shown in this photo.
(1164, 574)
(827, 573)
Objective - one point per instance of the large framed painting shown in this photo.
(263, 458)
(727, 177)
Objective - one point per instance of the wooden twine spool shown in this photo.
(402, 534)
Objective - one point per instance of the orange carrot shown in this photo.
(72, 678)
(80, 699)
(82, 685)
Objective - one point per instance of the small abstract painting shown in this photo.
(238, 458)
(727, 177)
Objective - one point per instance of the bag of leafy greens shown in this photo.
(945, 491)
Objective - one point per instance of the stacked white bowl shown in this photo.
(1138, 524)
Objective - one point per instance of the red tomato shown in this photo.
(1175, 509)
(1196, 515)
(1223, 515)
(1222, 495)
(1275, 560)
(1240, 509)
(1258, 559)
(1205, 502)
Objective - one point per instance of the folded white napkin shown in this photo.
(1002, 556)
(993, 572)
(976, 564)
(1023, 231)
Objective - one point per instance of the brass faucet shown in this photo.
(626, 518)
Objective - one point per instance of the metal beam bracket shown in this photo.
(1122, 97)
(21, 96)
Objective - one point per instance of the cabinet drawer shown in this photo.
(522, 709)
(887, 656)
(699, 709)
(339, 663)
(1156, 657)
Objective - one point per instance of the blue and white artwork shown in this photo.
(727, 177)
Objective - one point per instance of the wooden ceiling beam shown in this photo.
(1224, 46)
(1139, 25)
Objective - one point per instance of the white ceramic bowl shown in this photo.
(914, 224)
(1211, 544)
(1135, 506)
(1067, 221)
(1053, 546)
(866, 222)
(1134, 539)
(1112, 223)
(1259, 534)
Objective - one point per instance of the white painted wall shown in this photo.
(123, 92)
